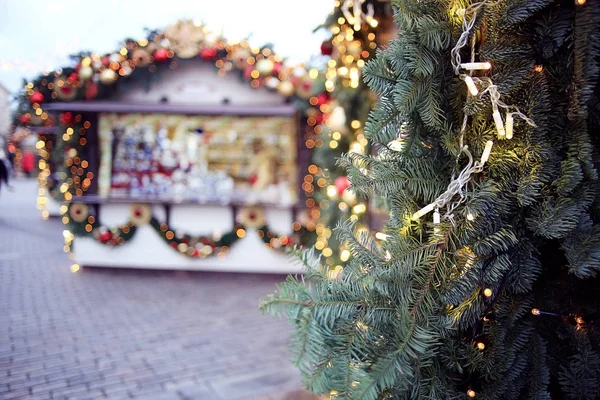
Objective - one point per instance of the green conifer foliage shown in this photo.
(501, 301)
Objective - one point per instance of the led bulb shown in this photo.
(436, 217)
(471, 393)
(486, 152)
(423, 211)
(476, 66)
(481, 345)
(488, 292)
(470, 217)
(510, 121)
(499, 124)
(471, 85)
(536, 311)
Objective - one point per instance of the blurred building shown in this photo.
(4, 110)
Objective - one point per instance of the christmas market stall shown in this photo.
(180, 151)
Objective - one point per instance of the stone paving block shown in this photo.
(22, 393)
(253, 384)
(201, 391)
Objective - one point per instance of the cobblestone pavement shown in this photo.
(120, 334)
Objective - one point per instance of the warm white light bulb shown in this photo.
(471, 85)
(499, 124)
(486, 152)
(510, 121)
(476, 66)
(423, 211)
(436, 217)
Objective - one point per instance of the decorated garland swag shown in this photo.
(83, 224)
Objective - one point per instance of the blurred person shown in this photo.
(4, 169)
(28, 162)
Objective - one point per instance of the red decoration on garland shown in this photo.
(91, 90)
(73, 77)
(252, 179)
(208, 53)
(66, 118)
(25, 119)
(322, 98)
(105, 237)
(319, 118)
(342, 183)
(277, 68)
(248, 71)
(36, 97)
(106, 61)
(161, 55)
(326, 48)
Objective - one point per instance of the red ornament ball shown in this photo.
(208, 53)
(319, 118)
(66, 118)
(105, 237)
(36, 97)
(277, 68)
(91, 90)
(326, 48)
(161, 55)
(322, 98)
(25, 119)
(342, 183)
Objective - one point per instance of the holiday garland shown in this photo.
(83, 224)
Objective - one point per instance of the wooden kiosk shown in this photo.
(201, 170)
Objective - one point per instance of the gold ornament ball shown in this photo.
(108, 76)
(286, 88)
(354, 48)
(86, 73)
(265, 66)
(349, 197)
(337, 120)
(240, 57)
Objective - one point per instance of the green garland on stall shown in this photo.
(82, 224)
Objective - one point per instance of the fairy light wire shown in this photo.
(457, 185)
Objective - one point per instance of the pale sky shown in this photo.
(38, 34)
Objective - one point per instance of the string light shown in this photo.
(488, 292)
(471, 85)
(538, 312)
(471, 393)
(480, 345)
(476, 66)
(509, 125)
(458, 183)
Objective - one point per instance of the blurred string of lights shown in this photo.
(356, 32)
(95, 76)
